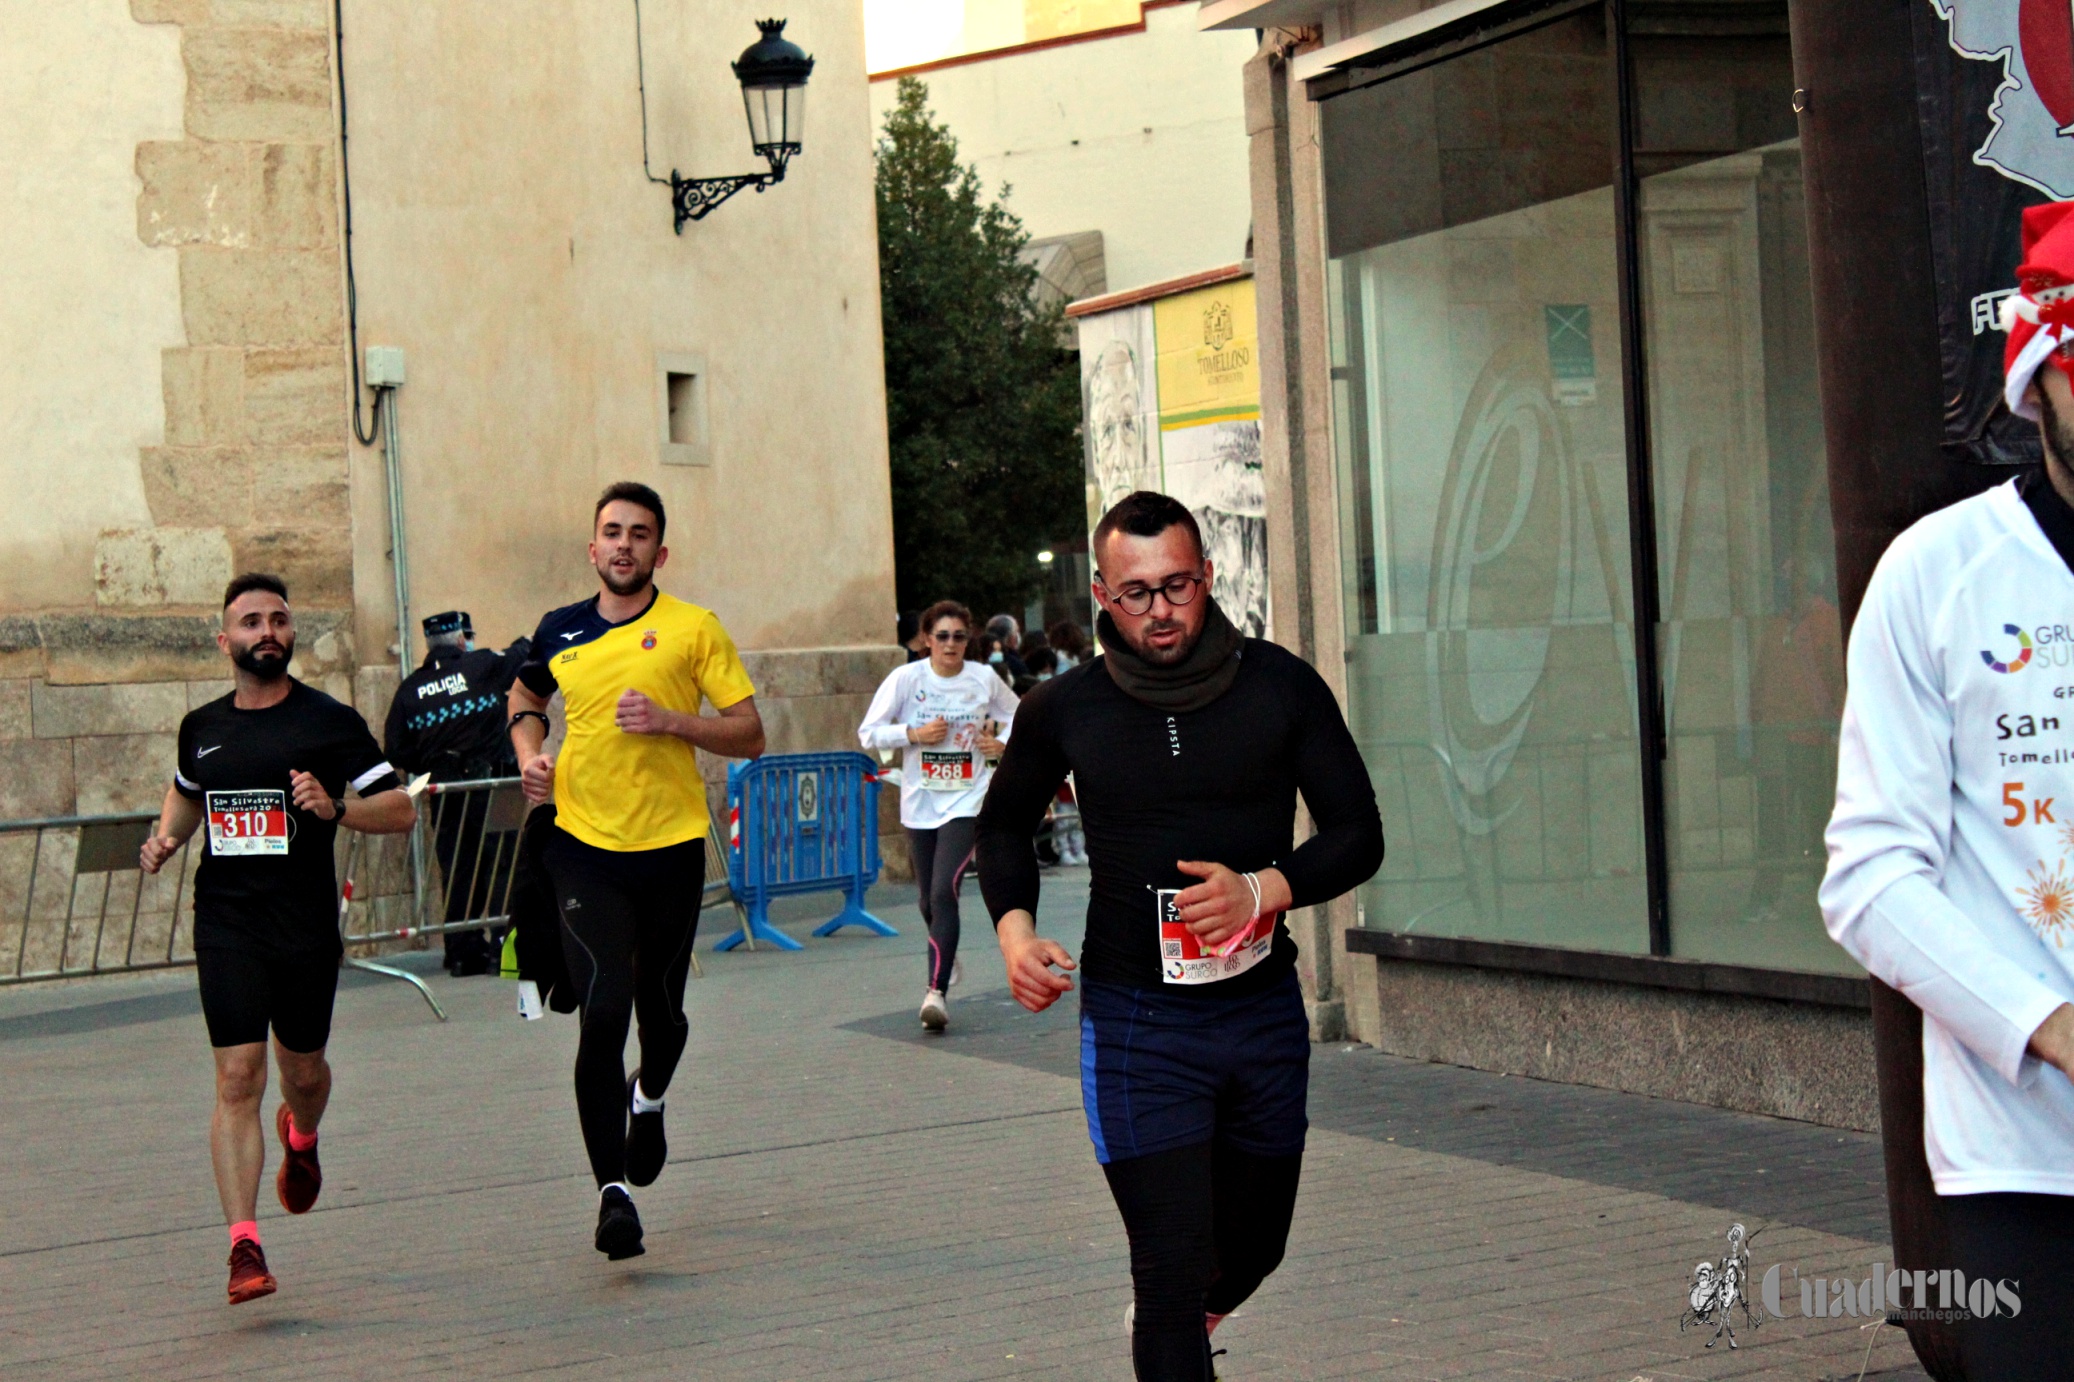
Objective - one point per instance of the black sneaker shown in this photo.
(646, 1146)
(619, 1227)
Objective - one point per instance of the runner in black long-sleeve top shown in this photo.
(1188, 744)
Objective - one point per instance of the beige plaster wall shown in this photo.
(87, 305)
(506, 238)
(1141, 136)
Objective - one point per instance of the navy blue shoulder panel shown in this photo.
(560, 628)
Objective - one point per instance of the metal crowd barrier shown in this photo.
(802, 823)
(73, 900)
(463, 862)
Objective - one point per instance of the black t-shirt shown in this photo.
(266, 881)
(1217, 784)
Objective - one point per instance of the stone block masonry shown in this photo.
(253, 469)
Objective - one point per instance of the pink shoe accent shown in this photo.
(298, 1140)
(1210, 1322)
(249, 1228)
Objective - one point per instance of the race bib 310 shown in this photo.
(247, 823)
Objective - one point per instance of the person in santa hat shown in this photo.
(1951, 850)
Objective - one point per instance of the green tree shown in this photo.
(982, 403)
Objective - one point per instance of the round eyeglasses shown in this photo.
(1137, 599)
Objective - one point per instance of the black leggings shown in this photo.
(941, 857)
(628, 920)
(1185, 1263)
(2027, 1241)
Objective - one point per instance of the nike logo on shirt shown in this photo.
(204, 753)
(567, 636)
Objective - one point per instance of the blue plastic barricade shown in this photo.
(802, 823)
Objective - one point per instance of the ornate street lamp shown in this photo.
(773, 73)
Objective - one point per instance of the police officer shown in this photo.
(448, 720)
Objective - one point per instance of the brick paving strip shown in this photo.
(847, 1199)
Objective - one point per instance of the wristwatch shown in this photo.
(338, 808)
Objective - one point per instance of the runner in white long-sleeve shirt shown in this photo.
(951, 717)
(1951, 852)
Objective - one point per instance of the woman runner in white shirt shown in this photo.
(950, 717)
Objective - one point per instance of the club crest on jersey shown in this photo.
(648, 641)
(2015, 664)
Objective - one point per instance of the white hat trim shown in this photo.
(2028, 359)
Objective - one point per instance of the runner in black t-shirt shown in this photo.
(1188, 744)
(267, 769)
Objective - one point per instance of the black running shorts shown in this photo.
(244, 993)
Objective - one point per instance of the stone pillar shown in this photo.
(1296, 432)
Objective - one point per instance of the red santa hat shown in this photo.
(2039, 316)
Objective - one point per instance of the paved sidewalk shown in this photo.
(848, 1199)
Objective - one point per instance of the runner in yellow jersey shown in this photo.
(628, 855)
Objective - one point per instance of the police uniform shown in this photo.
(448, 720)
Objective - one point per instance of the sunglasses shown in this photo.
(951, 636)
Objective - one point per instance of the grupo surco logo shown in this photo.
(2023, 652)
(1719, 1292)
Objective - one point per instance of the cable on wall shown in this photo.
(641, 80)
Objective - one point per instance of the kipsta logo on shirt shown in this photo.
(648, 641)
(2023, 653)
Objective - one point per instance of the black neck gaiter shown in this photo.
(1204, 674)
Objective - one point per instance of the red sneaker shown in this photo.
(300, 1178)
(249, 1278)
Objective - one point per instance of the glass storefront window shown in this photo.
(1477, 383)
(1750, 641)
(1474, 243)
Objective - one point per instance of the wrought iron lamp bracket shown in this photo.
(693, 198)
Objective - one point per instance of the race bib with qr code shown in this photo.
(947, 770)
(247, 823)
(1182, 958)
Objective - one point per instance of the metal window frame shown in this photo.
(1429, 37)
(1449, 31)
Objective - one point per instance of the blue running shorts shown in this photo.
(1160, 1070)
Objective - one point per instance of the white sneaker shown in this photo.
(957, 972)
(936, 1015)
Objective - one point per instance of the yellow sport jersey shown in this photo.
(623, 791)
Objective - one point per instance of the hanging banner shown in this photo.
(1995, 95)
(1170, 401)
(1209, 436)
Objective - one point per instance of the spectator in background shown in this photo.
(1007, 655)
(1043, 664)
(1070, 643)
(907, 632)
(1033, 643)
(982, 651)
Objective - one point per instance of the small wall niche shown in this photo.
(685, 435)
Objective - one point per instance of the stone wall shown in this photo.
(89, 704)
(252, 469)
(1789, 1060)
(252, 474)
